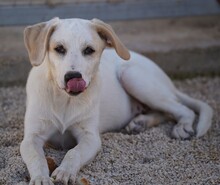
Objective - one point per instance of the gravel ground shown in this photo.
(151, 157)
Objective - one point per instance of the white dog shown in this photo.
(78, 87)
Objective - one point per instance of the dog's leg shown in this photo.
(143, 121)
(89, 143)
(33, 155)
(155, 90)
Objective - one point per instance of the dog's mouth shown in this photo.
(75, 86)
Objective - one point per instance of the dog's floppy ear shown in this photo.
(36, 39)
(106, 32)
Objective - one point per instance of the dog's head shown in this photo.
(72, 48)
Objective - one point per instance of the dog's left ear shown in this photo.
(36, 40)
(106, 32)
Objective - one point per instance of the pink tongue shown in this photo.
(76, 85)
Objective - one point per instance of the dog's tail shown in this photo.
(204, 110)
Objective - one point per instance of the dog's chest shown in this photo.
(66, 114)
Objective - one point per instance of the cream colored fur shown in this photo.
(117, 95)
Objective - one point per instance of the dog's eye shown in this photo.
(88, 51)
(60, 49)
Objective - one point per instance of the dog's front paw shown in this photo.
(64, 176)
(42, 180)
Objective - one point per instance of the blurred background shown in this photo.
(182, 36)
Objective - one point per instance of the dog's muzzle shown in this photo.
(75, 84)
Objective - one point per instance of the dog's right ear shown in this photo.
(36, 40)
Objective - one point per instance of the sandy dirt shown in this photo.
(151, 157)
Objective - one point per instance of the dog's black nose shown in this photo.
(71, 75)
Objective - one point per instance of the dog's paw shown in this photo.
(41, 180)
(143, 121)
(135, 127)
(64, 176)
(182, 131)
